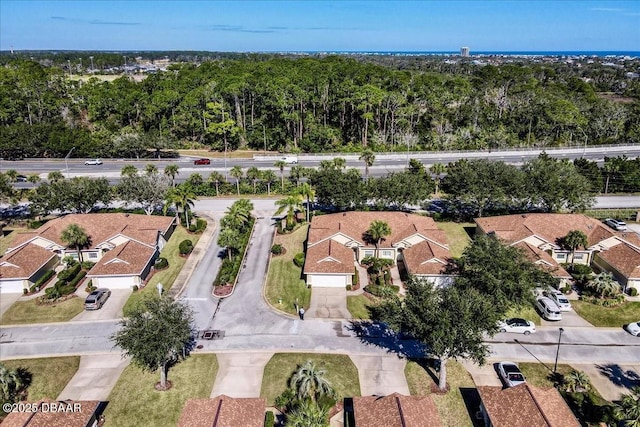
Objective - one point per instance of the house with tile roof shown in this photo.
(223, 411)
(524, 406)
(122, 246)
(337, 242)
(51, 413)
(395, 410)
(539, 236)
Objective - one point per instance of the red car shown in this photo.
(202, 162)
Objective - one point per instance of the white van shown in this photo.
(290, 160)
(548, 309)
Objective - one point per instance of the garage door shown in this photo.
(11, 286)
(328, 281)
(123, 282)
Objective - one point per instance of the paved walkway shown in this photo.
(328, 303)
(611, 380)
(240, 374)
(381, 375)
(95, 378)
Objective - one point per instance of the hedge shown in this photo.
(186, 246)
(382, 291)
(77, 279)
(269, 419)
(44, 279)
(69, 273)
(230, 268)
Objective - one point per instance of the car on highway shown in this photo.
(633, 329)
(517, 325)
(548, 309)
(96, 299)
(202, 162)
(21, 178)
(290, 160)
(616, 224)
(510, 374)
(93, 162)
(559, 298)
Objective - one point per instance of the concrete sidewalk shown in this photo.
(381, 375)
(95, 378)
(240, 374)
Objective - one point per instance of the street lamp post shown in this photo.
(584, 151)
(66, 165)
(264, 136)
(555, 365)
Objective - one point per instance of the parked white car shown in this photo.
(93, 162)
(633, 329)
(517, 325)
(616, 224)
(510, 374)
(559, 298)
(548, 309)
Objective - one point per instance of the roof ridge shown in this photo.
(535, 401)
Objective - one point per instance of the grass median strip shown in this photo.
(25, 312)
(50, 375)
(135, 402)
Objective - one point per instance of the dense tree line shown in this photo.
(312, 104)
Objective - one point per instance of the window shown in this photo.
(368, 253)
(387, 254)
(93, 255)
(578, 257)
(561, 256)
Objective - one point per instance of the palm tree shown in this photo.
(307, 191)
(377, 231)
(238, 215)
(628, 410)
(74, 235)
(268, 176)
(172, 171)
(437, 169)
(290, 204)
(309, 382)
(604, 285)
(280, 164)
(237, 173)
(182, 198)
(308, 414)
(55, 176)
(217, 178)
(129, 171)
(10, 383)
(573, 240)
(297, 173)
(12, 174)
(151, 169)
(577, 381)
(195, 179)
(230, 239)
(368, 157)
(33, 178)
(253, 174)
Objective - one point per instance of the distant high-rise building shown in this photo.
(464, 51)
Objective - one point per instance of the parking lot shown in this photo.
(112, 309)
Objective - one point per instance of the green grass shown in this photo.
(135, 402)
(168, 276)
(608, 316)
(24, 312)
(457, 236)
(341, 373)
(6, 241)
(49, 375)
(528, 312)
(358, 306)
(539, 375)
(451, 406)
(284, 284)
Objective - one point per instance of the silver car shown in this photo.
(510, 374)
(616, 224)
(548, 309)
(558, 297)
(633, 328)
(93, 162)
(96, 299)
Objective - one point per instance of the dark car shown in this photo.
(96, 299)
(202, 162)
(21, 178)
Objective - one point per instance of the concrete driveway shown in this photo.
(7, 300)
(95, 378)
(112, 309)
(328, 303)
(611, 380)
(240, 374)
(381, 375)
(482, 375)
(569, 318)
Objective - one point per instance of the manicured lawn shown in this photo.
(134, 401)
(451, 406)
(538, 374)
(457, 236)
(341, 373)
(23, 312)
(358, 306)
(608, 316)
(527, 312)
(49, 375)
(284, 281)
(168, 276)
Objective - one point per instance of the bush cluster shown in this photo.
(299, 259)
(198, 226)
(604, 302)
(633, 292)
(186, 246)
(384, 291)
(43, 280)
(160, 263)
(230, 267)
(88, 265)
(276, 249)
(69, 273)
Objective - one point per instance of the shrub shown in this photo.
(633, 292)
(161, 263)
(90, 288)
(299, 259)
(269, 419)
(383, 291)
(186, 246)
(349, 287)
(201, 225)
(69, 261)
(87, 265)
(276, 249)
(193, 228)
(69, 273)
(135, 288)
(44, 279)
(77, 279)
(566, 289)
(67, 289)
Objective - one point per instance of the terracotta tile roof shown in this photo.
(426, 258)
(68, 413)
(526, 406)
(329, 257)
(549, 227)
(624, 258)
(223, 411)
(101, 227)
(395, 410)
(129, 258)
(24, 262)
(543, 259)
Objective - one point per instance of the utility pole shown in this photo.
(264, 135)
(66, 165)
(555, 365)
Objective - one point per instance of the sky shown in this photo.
(300, 25)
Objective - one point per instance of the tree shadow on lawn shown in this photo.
(380, 335)
(627, 379)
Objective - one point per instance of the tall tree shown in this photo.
(129, 171)
(172, 171)
(573, 240)
(158, 333)
(369, 158)
(216, 178)
(12, 382)
(229, 238)
(75, 236)
(182, 198)
(237, 173)
(310, 382)
(290, 204)
(280, 164)
(377, 231)
(150, 169)
(306, 191)
(628, 410)
(437, 169)
(269, 177)
(254, 175)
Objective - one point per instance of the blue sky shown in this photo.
(320, 25)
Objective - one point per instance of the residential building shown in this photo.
(223, 411)
(395, 410)
(464, 52)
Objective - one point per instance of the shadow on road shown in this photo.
(380, 335)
